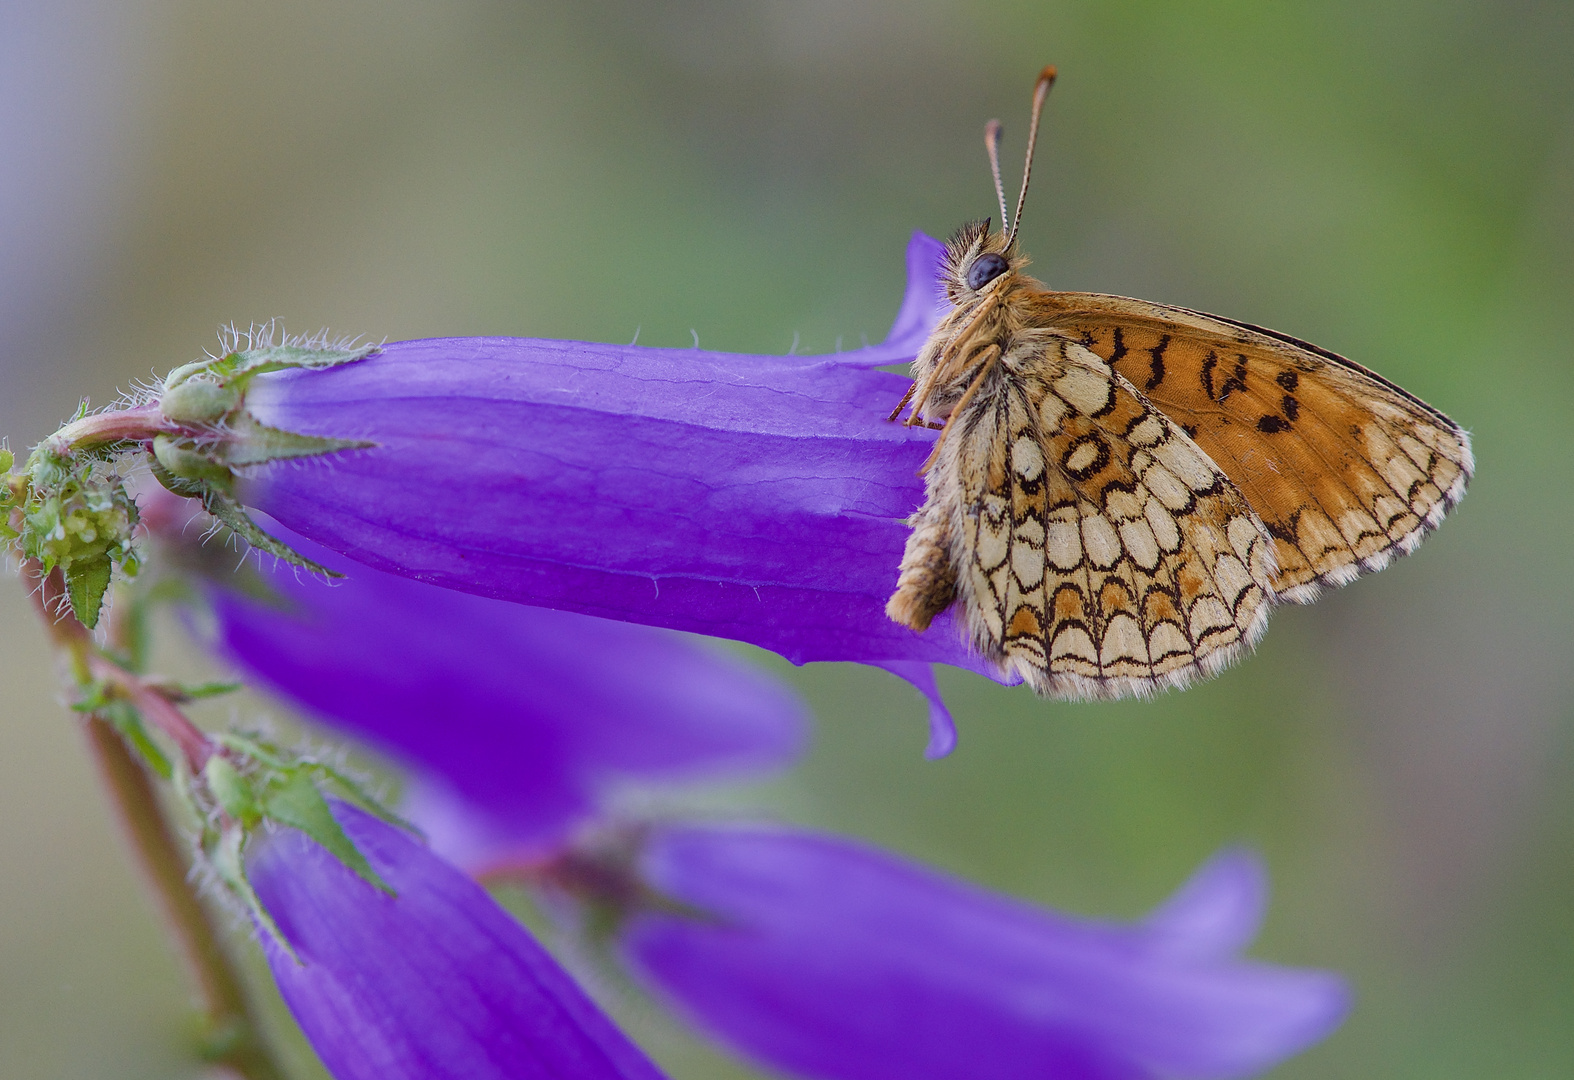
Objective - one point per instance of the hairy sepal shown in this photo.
(251, 784)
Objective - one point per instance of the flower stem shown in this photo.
(233, 1038)
(87, 664)
(122, 425)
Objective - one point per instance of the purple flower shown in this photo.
(433, 983)
(760, 498)
(523, 721)
(826, 958)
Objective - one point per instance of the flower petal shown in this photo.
(433, 983)
(830, 959)
(923, 306)
(942, 729)
(1218, 911)
(760, 498)
(533, 716)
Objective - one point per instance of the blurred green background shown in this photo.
(1394, 181)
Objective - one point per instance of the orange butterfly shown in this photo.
(1123, 490)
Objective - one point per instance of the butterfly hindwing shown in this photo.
(1345, 469)
(1098, 552)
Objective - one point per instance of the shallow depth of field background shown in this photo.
(1393, 181)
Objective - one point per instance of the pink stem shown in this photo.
(157, 709)
(133, 425)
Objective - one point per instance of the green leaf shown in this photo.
(86, 583)
(199, 691)
(296, 801)
(94, 697)
(181, 693)
(126, 720)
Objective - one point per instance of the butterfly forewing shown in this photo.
(1345, 469)
(1098, 552)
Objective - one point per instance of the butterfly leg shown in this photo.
(935, 425)
(900, 405)
(926, 584)
(991, 355)
(948, 365)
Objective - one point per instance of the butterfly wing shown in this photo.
(1345, 469)
(1098, 553)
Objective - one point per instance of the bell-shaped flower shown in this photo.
(825, 958)
(434, 982)
(760, 498)
(523, 720)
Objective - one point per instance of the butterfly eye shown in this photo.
(986, 268)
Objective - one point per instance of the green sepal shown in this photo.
(238, 368)
(257, 750)
(180, 459)
(288, 790)
(252, 749)
(214, 563)
(362, 798)
(180, 485)
(198, 401)
(86, 584)
(184, 793)
(232, 791)
(238, 521)
(248, 441)
(244, 365)
(226, 854)
(295, 800)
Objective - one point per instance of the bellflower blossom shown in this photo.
(435, 983)
(760, 498)
(808, 953)
(825, 958)
(522, 721)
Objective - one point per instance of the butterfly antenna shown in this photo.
(1046, 79)
(992, 144)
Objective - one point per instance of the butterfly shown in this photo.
(1121, 491)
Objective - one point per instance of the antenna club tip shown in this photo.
(1047, 75)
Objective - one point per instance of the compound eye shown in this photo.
(986, 268)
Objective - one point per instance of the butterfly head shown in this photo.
(978, 261)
